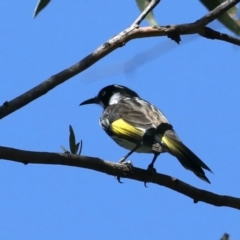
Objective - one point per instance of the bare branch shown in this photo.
(212, 34)
(120, 170)
(217, 12)
(117, 41)
(148, 9)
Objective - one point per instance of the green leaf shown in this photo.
(64, 149)
(142, 4)
(76, 147)
(225, 237)
(228, 19)
(72, 141)
(80, 149)
(40, 6)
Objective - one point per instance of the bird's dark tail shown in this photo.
(185, 156)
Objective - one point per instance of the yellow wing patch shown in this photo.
(172, 144)
(124, 129)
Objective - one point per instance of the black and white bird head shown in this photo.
(110, 95)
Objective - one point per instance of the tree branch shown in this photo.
(217, 12)
(117, 41)
(148, 9)
(212, 34)
(121, 170)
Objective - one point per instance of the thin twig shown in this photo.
(212, 34)
(148, 9)
(218, 11)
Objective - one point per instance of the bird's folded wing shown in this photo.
(131, 118)
(140, 114)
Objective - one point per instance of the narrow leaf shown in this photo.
(40, 6)
(225, 237)
(64, 149)
(72, 141)
(76, 147)
(80, 150)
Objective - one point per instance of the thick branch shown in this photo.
(117, 41)
(120, 170)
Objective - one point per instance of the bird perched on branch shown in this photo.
(139, 126)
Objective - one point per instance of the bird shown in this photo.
(137, 125)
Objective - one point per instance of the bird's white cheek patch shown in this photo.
(115, 99)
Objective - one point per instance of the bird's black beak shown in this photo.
(90, 101)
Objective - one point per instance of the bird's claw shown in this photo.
(152, 171)
(128, 164)
(119, 179)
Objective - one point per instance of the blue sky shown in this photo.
(196, 85)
